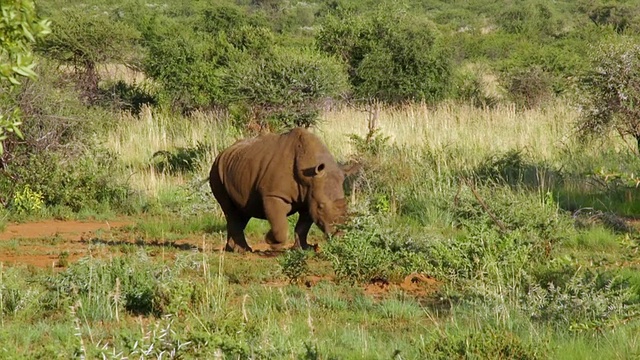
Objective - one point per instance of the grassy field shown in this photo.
(481, 226)
(477, 233)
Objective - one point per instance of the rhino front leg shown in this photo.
(302, 230)
(276, 210)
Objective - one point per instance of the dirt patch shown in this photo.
(62, 242)
(414, 284)
(378, 287)
(69, 230)
(313, 280)
(55, 244)
(419, 284)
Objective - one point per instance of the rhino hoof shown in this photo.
(276, 246)
(237, 249)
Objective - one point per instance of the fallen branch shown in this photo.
(493, 217)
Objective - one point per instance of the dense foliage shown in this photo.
(19, 30)
(392, 56)
(611, 90)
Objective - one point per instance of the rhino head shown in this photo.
(326, 200)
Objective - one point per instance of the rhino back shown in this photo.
(253, 168)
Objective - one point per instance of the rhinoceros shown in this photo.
(273, 176)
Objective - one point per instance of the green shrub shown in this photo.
(391, 55)
(60, 157)
(83, 184)
(611, 90)
(27, 201)
(190, 58)
(138, 284)
(85, 41)
(18, 295)
(468, 86)
(536, 216)
(366, 253)
(619, 16)
(528, 88)
(283, 90)
(586, 300)
(181, 159)
(533, 20)
(294, 265)
(186, 65)
(517, 169)
(129, 97)
(483, 343)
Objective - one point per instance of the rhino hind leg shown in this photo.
(276, 210)
(236, 242)
(302, 230)
(236, 221)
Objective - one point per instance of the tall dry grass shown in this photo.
(472, 130)
(475, 133)
(137, 139)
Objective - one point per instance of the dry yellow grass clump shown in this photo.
(464, 127)
(471, 131)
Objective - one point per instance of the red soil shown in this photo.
(414, 284)
(57, 243)
(50, 243)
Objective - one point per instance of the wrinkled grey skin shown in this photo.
(274, 176)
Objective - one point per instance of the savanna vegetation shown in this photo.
(499, 150)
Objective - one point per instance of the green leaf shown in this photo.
(18, 133)
(24, 71)
(13, 80)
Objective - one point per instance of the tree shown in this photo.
(611, 91)
(19, 30)
(284, 89)
(392, 56)
(189, 62)
(85, 41)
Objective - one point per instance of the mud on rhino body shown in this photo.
(274, 176)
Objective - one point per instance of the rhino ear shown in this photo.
(350, 168)
(319, 170)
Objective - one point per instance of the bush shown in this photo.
(535, 21)
(181, 159)
(59, 156)
(129, 97)
(528, 88)
(483, 343)
(190, 59)
(586, 301)
(18, 295)
(186, 65)
(283, 90)
(137, 284)
(85, 182)
(516, 169)
(618, 16)
(537, 218)
(27, 201)
(294, 265)
(391, 56)
(611, 91)
(365, 253)
(468, 86)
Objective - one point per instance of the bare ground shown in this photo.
(56, 244)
